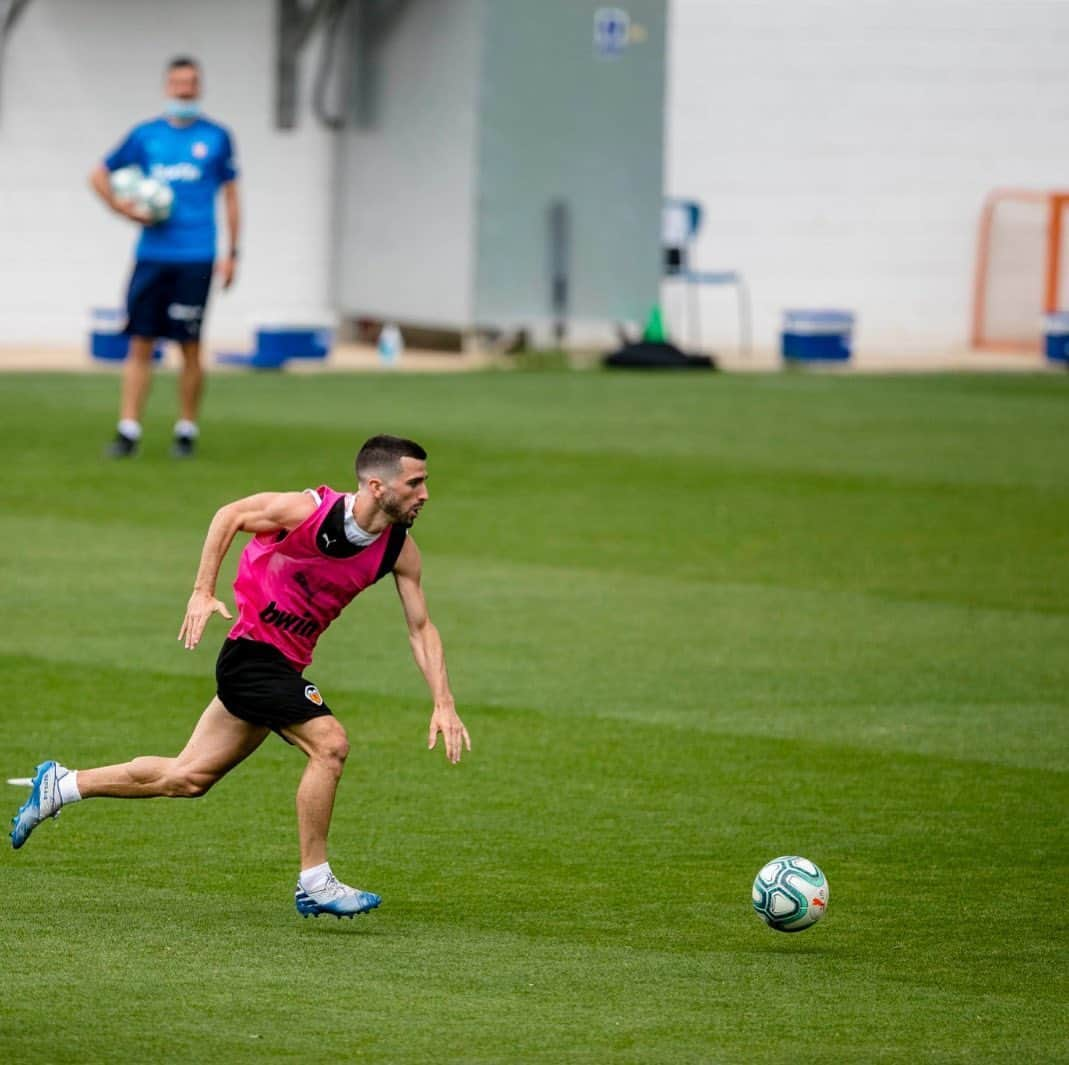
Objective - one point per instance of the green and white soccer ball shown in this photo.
(124, 183)
(156, 196)
(132, 186)
(790, 894)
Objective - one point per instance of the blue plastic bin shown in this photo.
(107, 341)
(274, 345)
(1056, 330)
(277, 344)
(817, 336)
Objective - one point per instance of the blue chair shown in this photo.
(680, 223)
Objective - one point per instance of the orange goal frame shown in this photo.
(1057, 202)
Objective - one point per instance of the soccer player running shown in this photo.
(168, 291)
(311, 553)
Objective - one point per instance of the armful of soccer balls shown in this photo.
(130, 186)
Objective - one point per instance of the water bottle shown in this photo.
(390, 344)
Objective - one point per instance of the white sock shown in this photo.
(130, 429)
(68, 787)
(314, 879)
(184, 427)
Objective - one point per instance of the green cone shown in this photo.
(655, 331)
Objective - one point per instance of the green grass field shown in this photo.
(692, 623)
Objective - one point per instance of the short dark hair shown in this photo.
(382, 454)
(182, 61)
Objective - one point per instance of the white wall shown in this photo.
(76, 76)
(842, 148)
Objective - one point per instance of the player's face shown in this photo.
(403, 496)
(183, 83)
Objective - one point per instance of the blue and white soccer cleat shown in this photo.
(334, 897)
(44, 802)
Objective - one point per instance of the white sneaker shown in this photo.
(334, 897)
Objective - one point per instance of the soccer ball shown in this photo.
(130, 185)
(157, 196)
(124, 182)
(790, 894)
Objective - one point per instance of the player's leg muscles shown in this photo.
(218, 743)
(324, 741)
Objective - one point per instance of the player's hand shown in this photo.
(135, 212)
(226, 269)
(445, 720)
(200, 609)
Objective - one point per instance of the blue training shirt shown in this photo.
(195, 159)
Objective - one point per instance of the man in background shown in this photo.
(168, 291)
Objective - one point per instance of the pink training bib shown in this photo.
(288, 588)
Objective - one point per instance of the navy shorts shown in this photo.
(257, 683)
(167, 300)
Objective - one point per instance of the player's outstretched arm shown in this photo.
(429, 654)
(265, 512)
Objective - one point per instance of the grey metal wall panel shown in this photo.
(406, 176)
(560, 121)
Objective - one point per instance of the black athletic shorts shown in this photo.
(257, 683)
(168, 300)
